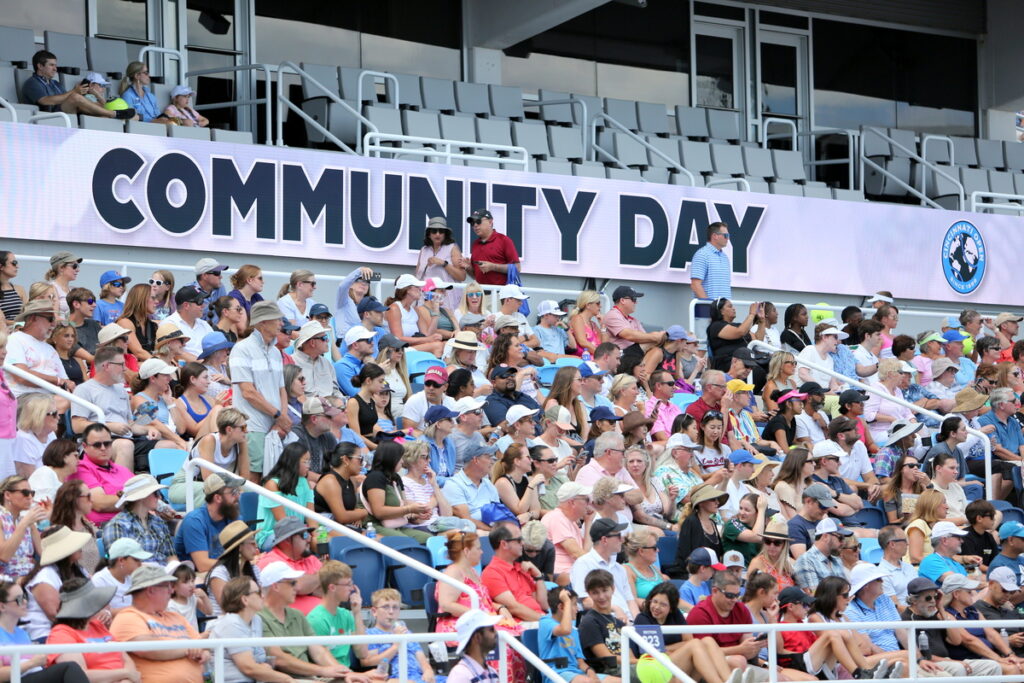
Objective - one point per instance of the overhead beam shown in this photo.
(499, 24)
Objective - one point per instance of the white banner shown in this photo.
(73, 186)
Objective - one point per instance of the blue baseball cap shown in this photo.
(677, 332)
(604, 413)
(705, 557)
(288, 326)
(113, 276)
(319, 309)
(369, 304)
(438, 413)
(955, 336)
(587, 370)
(1007, 529)
(740, 456)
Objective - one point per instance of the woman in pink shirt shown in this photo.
(8, 411)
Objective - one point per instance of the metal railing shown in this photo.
(4, 104)
(505, 641)
(989, 490)
(265, 101)
(977, 204)
(332, 96)
(57, 391)
(359, 93)
(925, 199)
(572, 102)
(787, 123)
(442, 149)
(190, 471)
(629, 635)
(852, 140)
(612, 123)
(46, 115)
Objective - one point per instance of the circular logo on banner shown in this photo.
(963, 257)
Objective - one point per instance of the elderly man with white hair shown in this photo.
(311, 355)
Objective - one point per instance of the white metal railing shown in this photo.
(852, 140)
(608, 121)
(977, 197)
(787, 123)
(505, 641)
(912, 627)
(265, 101)
(4, 104)
(443, 149)
(387, 78)
(190, 472)
(989, 491)
(629, 635)
(47, 115)
(925, 199)
(572, 102)
(54, 389)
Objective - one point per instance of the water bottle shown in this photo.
(384, 668)
(1005, 635)
(586, 356)
(371, 533)
(924, 645)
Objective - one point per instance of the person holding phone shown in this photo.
(491, 252)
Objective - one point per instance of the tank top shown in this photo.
(10, 303)
(592, 334)
(146, 334)
(198, 417)
(520, 487)
(367, 415)
(348, 494)
(228, 462)
(73, 369)
(644, 584)
(410, 320)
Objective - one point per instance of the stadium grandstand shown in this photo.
(510, 341)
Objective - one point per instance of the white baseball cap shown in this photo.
(733, 558)
(468, 404)
(182, 90)
(155, 366)
(356, 333)
(467, 624)
(943, 529)
(549, 306)
(97, 78)
(512, 292)
(408, 280)
(278, 571)
(517, 413)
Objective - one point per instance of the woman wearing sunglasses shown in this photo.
(439, 259)
(774, 559)
(63, 271)
(12, 296)
(161, 284)
(900, 493)
(37, 427)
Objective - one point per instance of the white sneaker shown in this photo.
(896, 671)
(735, 676)
(882, 670)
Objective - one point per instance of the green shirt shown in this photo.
(341, 623)
(295, 624)
(730, 540)
(549, 500)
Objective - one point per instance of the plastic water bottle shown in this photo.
(924, 645)
(384, 668)
(586, 356)
(1004, 634)
(371, 533)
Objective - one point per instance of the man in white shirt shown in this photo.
(866, 354)
(855, 465)
(435, 381)
(742, 470)
(511, 297)
(189, 319)
(606, 535)
(27, 349)
(898, 572)
(812, 422)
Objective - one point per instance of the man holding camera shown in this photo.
(491, 252)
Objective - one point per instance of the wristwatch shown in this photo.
(277, 414)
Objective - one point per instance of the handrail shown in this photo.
(852, 140)
(53, 389)
(673, 164)
(979, 194)
(359, 94)
(283, 101)
(742, 183)
(265, 68)
(4, 104)
(925, 139)
(989, 491)
(786, 122)
(160, 50)
(571, 101)
(925, 199)
(192, 463)
(629, 635)
(44, 115)
(506, 641)
(371, 145)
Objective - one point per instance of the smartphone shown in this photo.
(428, 296)
(375, 276)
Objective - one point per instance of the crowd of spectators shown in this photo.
(757, 467)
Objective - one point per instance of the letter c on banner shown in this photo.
(120, 215)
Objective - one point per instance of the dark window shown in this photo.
(865, 75)
(653, 37)
(121, 18)
(211, 24)
(706, 9)
(780, 19)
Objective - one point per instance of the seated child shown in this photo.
(558, 639)
(186, 596)
(329, 618)
(385, 605)
(599, 628)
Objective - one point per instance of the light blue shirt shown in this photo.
(144, 105)
(345, 369)
(885, 610)
(599, 400)
(552, 339)
(442, 458)
(460, 490)
(935, 565)
(968, 368)
(711, 266)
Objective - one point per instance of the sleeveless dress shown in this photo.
(517, 666)
(10, 303)
(452, 297)
(593, 336)
(644, 584)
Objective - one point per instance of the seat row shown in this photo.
(75, 53)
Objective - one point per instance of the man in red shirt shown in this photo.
(509, 582)
(291, 541)
(714, 398)
(491, 252)
(723, 606)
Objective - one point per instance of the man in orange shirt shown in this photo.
(510, 582)
(149, 619)
(291, 541)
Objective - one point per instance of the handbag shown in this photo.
(392, 523)
(492, 513)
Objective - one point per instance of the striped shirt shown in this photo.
(711, 266)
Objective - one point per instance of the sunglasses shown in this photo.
(99, 444)
(471, 294)
(729, 595)
(549, 461)
(912, 465)
(434, 385)
(13, 263)
(28, 493)
(309, 282)
(930, 598)
(76, 266)
(117, 283)
(158, 283)
(53, 414)
(773, 541)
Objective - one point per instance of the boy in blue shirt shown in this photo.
(701, 566)
(558, 638)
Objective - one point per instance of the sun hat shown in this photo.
(765, 464)
(127, 547)
(87, 600)
(39, 307)
(288, 527)
(214, 342)
(62, 258)
(471, 320)
(572, 489)
(863, 574)
(313, 329)
(776, 529)
(138, 487)
(940, 365)
(901, 429)
(152, 575)
(634, 419)
(706, 492)
(469, 623)
(263, 311)
(166, 332)
(156, 366)
(112, 331)
(276, 572)
(438, 223)
(234, 535)
(466, 340)
(62, 543)
(791, 395)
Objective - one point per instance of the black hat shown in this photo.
(793, 595)
(852, 396)
(605, 527)
(811, 389)
(189, 294)
(744, 354)
(478, 216)
(624, 292)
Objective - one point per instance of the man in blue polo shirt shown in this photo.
(947, 538)
(470, 489)
(710, 271)
(870, 604)
(1007, 441)
(358, 350)
(197, 536)
(1012, 535)
(44, 90)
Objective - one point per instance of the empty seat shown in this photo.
(623, 174)
(189, 132)
(593, 109)
(757, 162)
(589, 169)
(387, 119)
(565, 143)
(471, 98)
(102, 123)
(790, 189)
(789, 165)
(1018, 182)
(409, 96)
(657, 175)
(692, 122)
(317, 105)
(457, 128)
(696, 157)
(554, 113)
(143, 128)
(1002, 182)
(557, 166)
(533, 136)
(69, 48)
(235, 136)
(990, 154)
(936, 152)
(667, 146)
(349, 78)
(8, 88)
(848, 195)
(58, 121)
(652, 118)
(493, 132)
(684, 180)
(421, 124)
(890, 157)
(107, 56)
(724, 125)
(755, 185)
(438, 94)
(964, 152)
(17, 45)
(7, 115)
(974, 180)
(727, 159)
(506, 101)
(817, 191)
(623, 111)
(624, 148)
(1014, 155)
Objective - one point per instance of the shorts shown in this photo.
(141, 446)
(1003, 467)
(256, 441)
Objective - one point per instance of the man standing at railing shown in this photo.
(491, 252)
(710, 271)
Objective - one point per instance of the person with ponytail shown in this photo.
(135, 90)
(517, 490)
(296, 298)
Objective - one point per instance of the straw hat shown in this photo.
(234, 535)
(466, 340)
(62, 543)
(706, 492)
(777, 529)
(758, 469)
(969, 399)
(167, 332)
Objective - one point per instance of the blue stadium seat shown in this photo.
(568, 362)
(1001, 504)
(1012, 514)
(164, 463)
(546, 374)
(419, 362)
(870, 551)
(871, 517)
(248, 507)
(437, 545)
(367, 564)
(974, 492)
(407, 580)
(667, 546)
(683, 400)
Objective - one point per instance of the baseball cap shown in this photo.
(811, 389)
(471, 320)
(369, 304)
(907, 368)
(113, 276)
(624, 292)
(933, 337)
(518, 412)
(733, 558)
(317, 406)
(209, 265)
(679, 440)
(604, 413)
(920, 585)
(390, 341)
(96, 78)
(319, 309)
(216, 481)
(705, 557)
(603, 527)
(820, 493)
(677, 332)
(940, 365)
(549, 306)
(276, 572)
(189, 294)
(478, 215)
(502, 370)
(792, 595)
(182, 90)
(852, 396)
(830, 526)
(438, 413)
(955, 582)
(408, 280)
(152, 575)
(1005, 577)
(477, 449)
(740, 456)
(571, 489)
(287, 326)
(836, 331)
(355, 333)
(559, 415)
(737, 385)
(826, 448)
(588, 370)
(468, 404)
(943, 529)
(435, 374)
(513, 292)
(155, 366)
(1006, 318)
(503, 321)
(955, 335)
(745, 355)
(1013, 528)
(127, 547)
(466, 625)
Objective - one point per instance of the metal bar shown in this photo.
(387, 551)
(359, 96)
(786, 122)
(42, 116)
(916, 157)
(509, 641)
(851, 145)
(989, 491)
(629, 634)
(265, 68)
(282, 99)
(615, 124)
(50, 388)
(979, 194)
(4, 104)
(370, 140)
(743, 183)
(161, 50)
